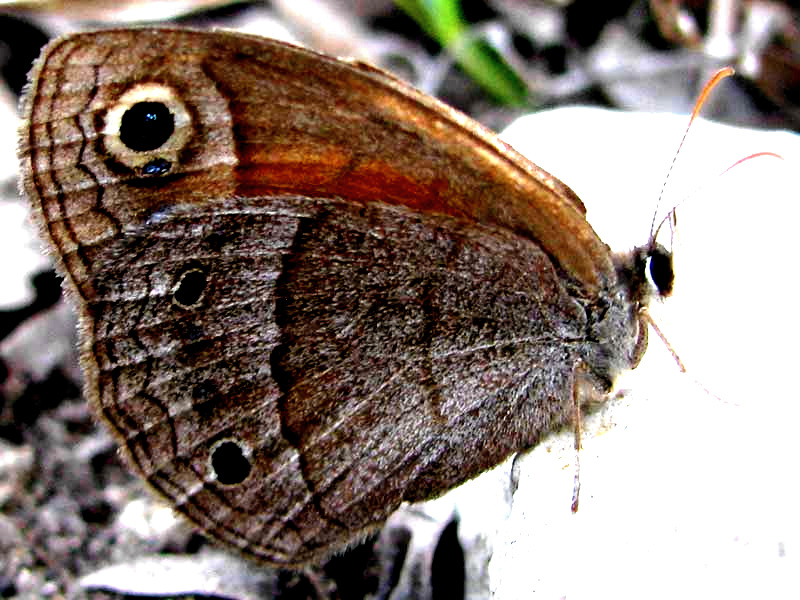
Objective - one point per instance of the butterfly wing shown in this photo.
(280, 119)
(320, 293)
(287, 371)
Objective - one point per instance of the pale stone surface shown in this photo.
(684, 495)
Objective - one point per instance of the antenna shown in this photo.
(718, 76)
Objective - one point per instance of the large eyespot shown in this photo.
(659, 266)
(229, 461)
(147, 128)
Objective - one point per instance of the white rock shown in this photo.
(684, 494)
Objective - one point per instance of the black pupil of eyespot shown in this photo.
(146, 126)
(230, 464)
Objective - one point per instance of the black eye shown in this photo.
(661, 271)
(230, 464)
(146, 126)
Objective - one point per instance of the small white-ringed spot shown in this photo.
(188, 290)
(229, 461)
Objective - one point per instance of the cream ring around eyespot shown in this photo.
(147, 92)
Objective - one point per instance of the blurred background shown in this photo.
(489, 57)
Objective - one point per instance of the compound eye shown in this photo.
(660, 269)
